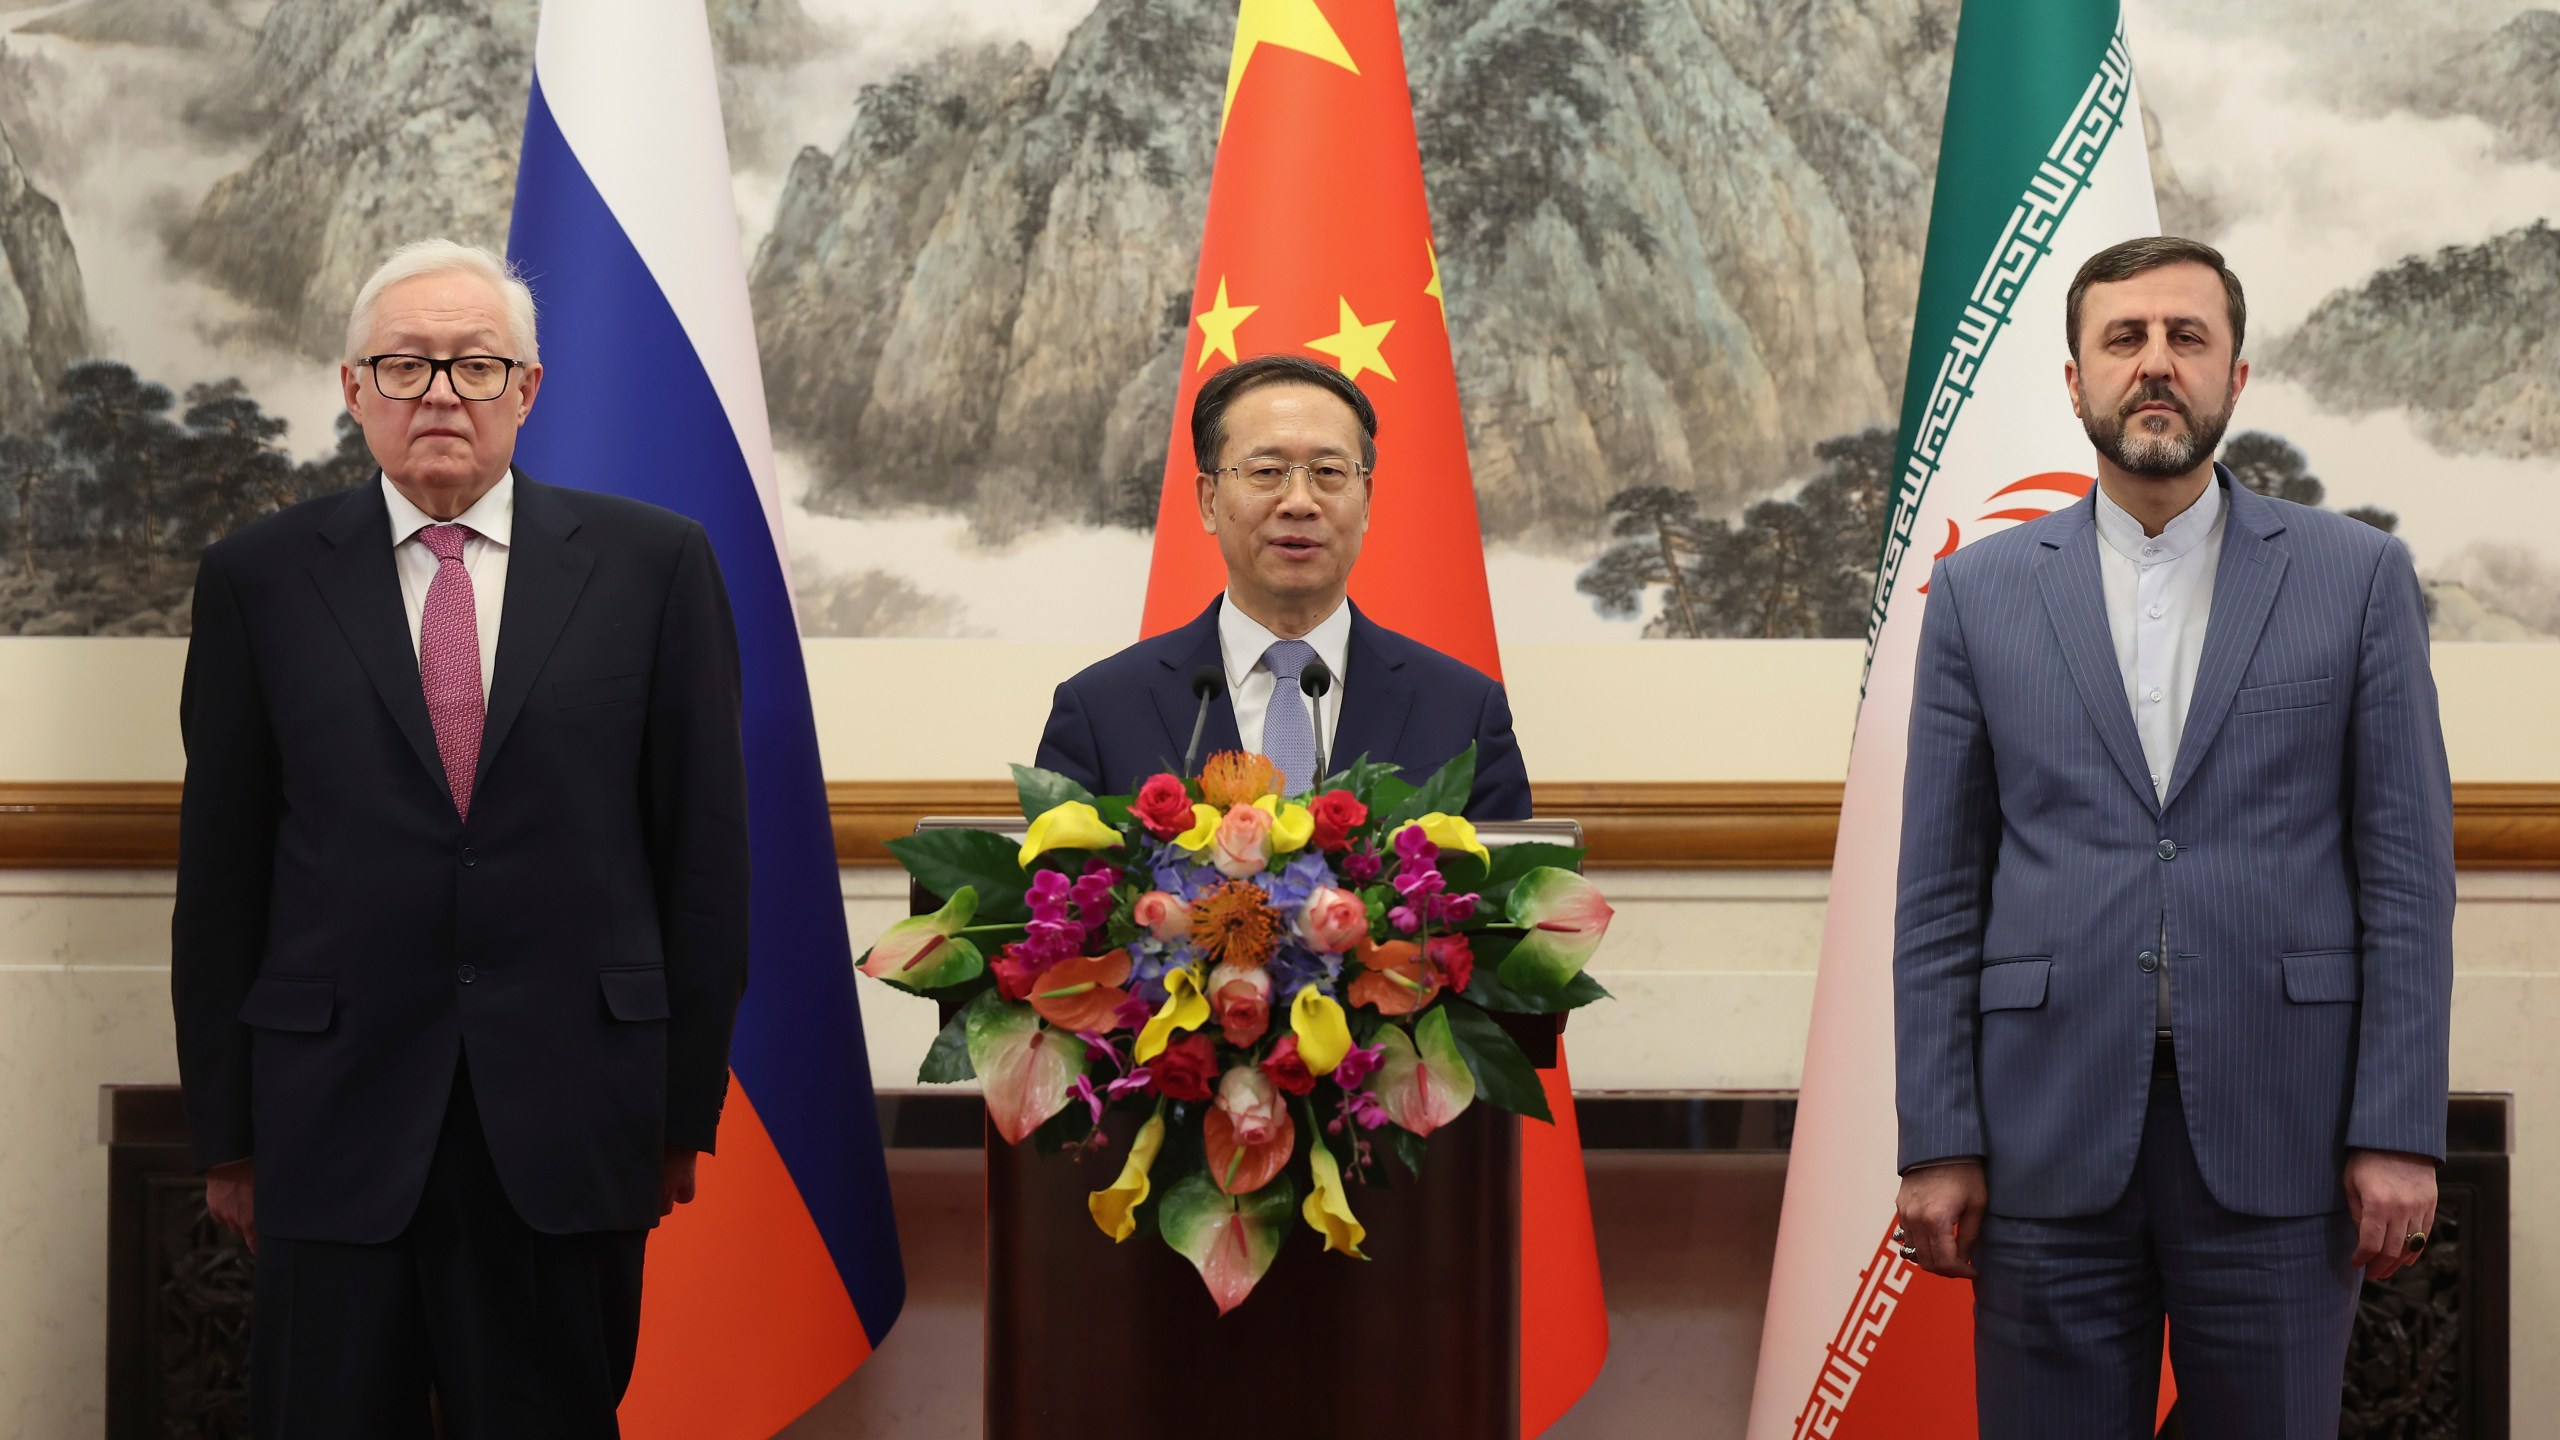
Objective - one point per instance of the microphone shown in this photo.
(1316, 682)
(1206, 682)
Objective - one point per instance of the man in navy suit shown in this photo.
(2173, 964)
(462, 895)
(1285, 447)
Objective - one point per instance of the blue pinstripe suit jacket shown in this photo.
(2303, 861)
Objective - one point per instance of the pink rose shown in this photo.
(1252, 1105)
(1333, 921)
(1163, 916)
(1241, 847)
(1240, 998)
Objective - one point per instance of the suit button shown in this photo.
(466, 974)
(2147, 960)
(471, 857)
(2168, 849)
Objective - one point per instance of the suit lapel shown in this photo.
(1186, 650)
(2244, 594)
(2075, 600)
(544, 575)
(360, 583)
(1377, 696)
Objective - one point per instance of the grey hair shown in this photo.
(447, 257)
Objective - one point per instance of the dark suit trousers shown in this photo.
(517, 1333)
(2067, 1313)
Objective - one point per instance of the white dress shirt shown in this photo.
(2159, 591)
(484, 558)
(1241, 643)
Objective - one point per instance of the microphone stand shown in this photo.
(1315, 682)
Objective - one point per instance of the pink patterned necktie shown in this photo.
(449, 662)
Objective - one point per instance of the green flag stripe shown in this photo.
(1999, 200)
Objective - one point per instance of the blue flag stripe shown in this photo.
(627, 408)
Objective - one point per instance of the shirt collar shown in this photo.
(2188, 529)
(492, 517)
(1242, 639)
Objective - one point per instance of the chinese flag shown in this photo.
(1319, 242)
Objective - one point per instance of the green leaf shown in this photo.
(1042, 791)
(1488, 991)
(1361, 778)
(1510, 862)
(942, 861)
(1409, 1148)
(1026, 1067)
(1229, 1239)
(1445, 793)
(947, 1062)
(1504, 1076)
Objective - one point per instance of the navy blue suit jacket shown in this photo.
(2303, 859)
(1120, 721)
(342, 937)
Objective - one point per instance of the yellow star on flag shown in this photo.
(1355, 347)
(1290, 24)
(1218, 327)
(1433, 289)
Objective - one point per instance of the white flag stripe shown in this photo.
(632, 86)
(1998, 414)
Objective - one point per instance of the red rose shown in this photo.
(1163, 806)
(1455, 959)
(1187, 1070)
(1285, 1068)
(1337, 813)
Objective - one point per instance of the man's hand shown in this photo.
(230, 1195)
(1941, 1208)
(2390, 1197)
(675, 1185)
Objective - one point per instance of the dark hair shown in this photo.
(1209, 407)
(2128, 258)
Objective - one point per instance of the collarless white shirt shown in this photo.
(1241, 643)
(491, 519)
(2159, 593)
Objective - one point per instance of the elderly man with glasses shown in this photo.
(1285, 447)
(462, 896)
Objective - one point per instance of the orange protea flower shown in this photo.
(1237, 777)
(1234, 923)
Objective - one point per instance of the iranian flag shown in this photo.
(2041, 166)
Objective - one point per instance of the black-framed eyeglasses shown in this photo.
(473, 377)
(1265, 475)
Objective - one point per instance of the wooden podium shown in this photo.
(1087, 1338)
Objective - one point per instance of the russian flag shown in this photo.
(774, 1285)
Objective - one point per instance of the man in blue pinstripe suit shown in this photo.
(2173, 961)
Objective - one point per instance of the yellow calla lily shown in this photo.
(1327, 1208)
(1071, 826)
(1204, 823)
(1449, 832)
(1184, 1008)
(1115, 1209)
(1324, 1036)
(1291, 825)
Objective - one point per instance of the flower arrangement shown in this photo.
(1286, 988)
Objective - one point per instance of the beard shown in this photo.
(2156, 457)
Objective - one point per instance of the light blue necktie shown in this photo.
(1288, 735)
